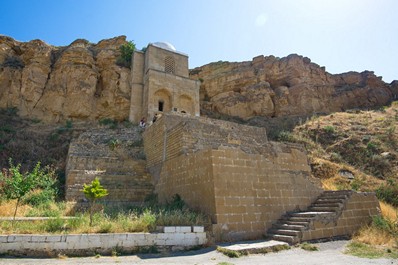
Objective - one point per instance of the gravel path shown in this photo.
(330, 253)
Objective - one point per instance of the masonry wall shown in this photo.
(252, 191)
(179, 93)
(243, 193)
(173, 135)
(358, 211)
(115, 158)
(155, 56)
(137, 86)
(190, 176)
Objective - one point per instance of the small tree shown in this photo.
(16, 185)
(93, 192)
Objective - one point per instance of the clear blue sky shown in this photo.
(342, 35)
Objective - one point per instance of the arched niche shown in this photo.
(186, 104)
(162, 100)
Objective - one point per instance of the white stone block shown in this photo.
(169, 229)
(202, 239)
(73, 238)
(183, 229)
(3, 239)
(53, 238)
(37, 238)
(198, 229)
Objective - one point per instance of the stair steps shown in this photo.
(290, 227)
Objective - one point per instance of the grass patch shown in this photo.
(309, 247)
(231, 253)
(371, 252)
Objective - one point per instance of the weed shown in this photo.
(366, 251)
(113, 143)
(224, 263)
(285, 136)
(230, 253)
(309, 247)
(111, 123)
(388, 192)
(329, 129)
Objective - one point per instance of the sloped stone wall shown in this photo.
(116, 157)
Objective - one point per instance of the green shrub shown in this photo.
(285, 136)
(126, 52)
(329, 129)
(54, 225)
(16, 185)
(388, 192)
(111, 123)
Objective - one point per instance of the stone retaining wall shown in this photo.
(173, 238)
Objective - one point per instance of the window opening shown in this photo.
(160, 105)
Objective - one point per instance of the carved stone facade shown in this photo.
(161, 83)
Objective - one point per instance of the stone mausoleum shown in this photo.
(161, 83)
(248, 185)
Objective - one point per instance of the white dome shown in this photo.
(165, 45)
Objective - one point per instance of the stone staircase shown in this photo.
(328, 207)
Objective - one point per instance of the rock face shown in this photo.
(81, 81)
(272, 87)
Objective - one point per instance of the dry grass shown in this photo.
(388, 211)
(376, 236)
(7, 209)
(373, 236)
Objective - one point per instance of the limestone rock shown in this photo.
(80, 82)
(273, 87)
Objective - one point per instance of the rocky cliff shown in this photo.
(81, 81)
(293, 85)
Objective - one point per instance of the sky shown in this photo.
(342, 35)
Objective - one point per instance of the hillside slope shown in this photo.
(351, 150)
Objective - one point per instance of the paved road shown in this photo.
(330, 253)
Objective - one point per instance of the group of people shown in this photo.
(143, 120)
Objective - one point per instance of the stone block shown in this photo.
(54, 238)
(169, 229)
(198, 229)
(183, 229)
(3, 239)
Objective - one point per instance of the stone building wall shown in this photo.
(161, 83)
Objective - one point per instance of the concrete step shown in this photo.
(289, 227)
(284, 238)
(337, 192)
(328, 201)
(326, 204)
(322, 209)
(341, 197)
(299, 219)
(285, 232)
(294, 223)
(254, 247)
